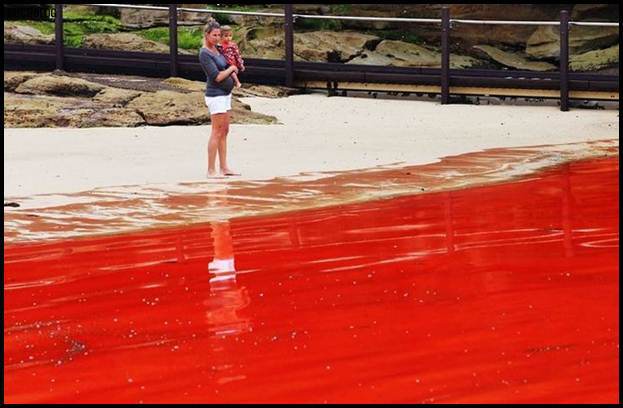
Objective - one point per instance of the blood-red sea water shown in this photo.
(499, 293)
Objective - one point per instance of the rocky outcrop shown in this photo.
(398, 53)
(186, 84)
(595, 60)
(128, 42)
(55, 100)
(12, 79)
(515, 60)
(545, 41)
(116, 97)
(135, 18)
(315, 46)
(249, 90)
(52, 111)
(24, 34)
(59, 86)
(171, 108)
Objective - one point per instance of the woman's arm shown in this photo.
(225, 73)
(211, 70)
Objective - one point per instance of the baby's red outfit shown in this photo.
(232, 54)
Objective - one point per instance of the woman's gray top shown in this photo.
(213, 64)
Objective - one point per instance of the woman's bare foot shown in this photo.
(212, 174)
(228, 172)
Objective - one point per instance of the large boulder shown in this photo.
(136, 18)
(116, 97)
(186, 84)
(23, 34)
(171, 108)
(399, 53)
(545, 41)
(241, 113)
(51, 111)
(595, 60)
(127, 42)
(165, 108)
(595, 12)
(12, 79)
(316, 46)
(515, 60)
(59, 85)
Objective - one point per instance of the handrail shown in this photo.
(289, 17)
(386, 19)
(189, 9)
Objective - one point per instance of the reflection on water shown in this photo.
(227, 298)
(502, 293)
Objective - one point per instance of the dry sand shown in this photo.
(317, 133)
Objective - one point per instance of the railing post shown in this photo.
(564, 60)
(173, 38)
(58, 30)
(289, 44)
(445, 55)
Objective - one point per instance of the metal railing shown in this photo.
(290, 17)
(331, 17)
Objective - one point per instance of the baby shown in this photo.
(230, 51)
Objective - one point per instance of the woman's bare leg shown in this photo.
(222, 150)
(222, 144)
(218, 121)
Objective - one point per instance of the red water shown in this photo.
(503, 293)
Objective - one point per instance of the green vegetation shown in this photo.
(188, 38)
(77, 25)
(341, 9)
(313, 24)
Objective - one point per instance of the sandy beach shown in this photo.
(317, 134)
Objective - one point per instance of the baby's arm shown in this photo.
(239, 60)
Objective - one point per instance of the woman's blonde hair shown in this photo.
(211, 25)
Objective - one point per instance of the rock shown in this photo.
(48, 100)
(116, 97)
(241, 113)
(399, 53)
(186, 84)
(135, 18)
(12, 79)
(264, 91)
(50, 111)
(171, 108)
(317, 46)
(23, 34)
(128, 42)
(595, 12)
(254, 21)
(59, 85)
(515, 59)
(545, 41)
(595, 60)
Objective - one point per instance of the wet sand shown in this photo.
(124, 209)
(318, 134)
(499, 293)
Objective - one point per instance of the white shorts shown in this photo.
(218, 104)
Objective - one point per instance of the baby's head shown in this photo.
(227, 35)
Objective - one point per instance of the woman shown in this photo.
(217, 97)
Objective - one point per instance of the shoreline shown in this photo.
(128, 209)
(80, 182)
(317, 134)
